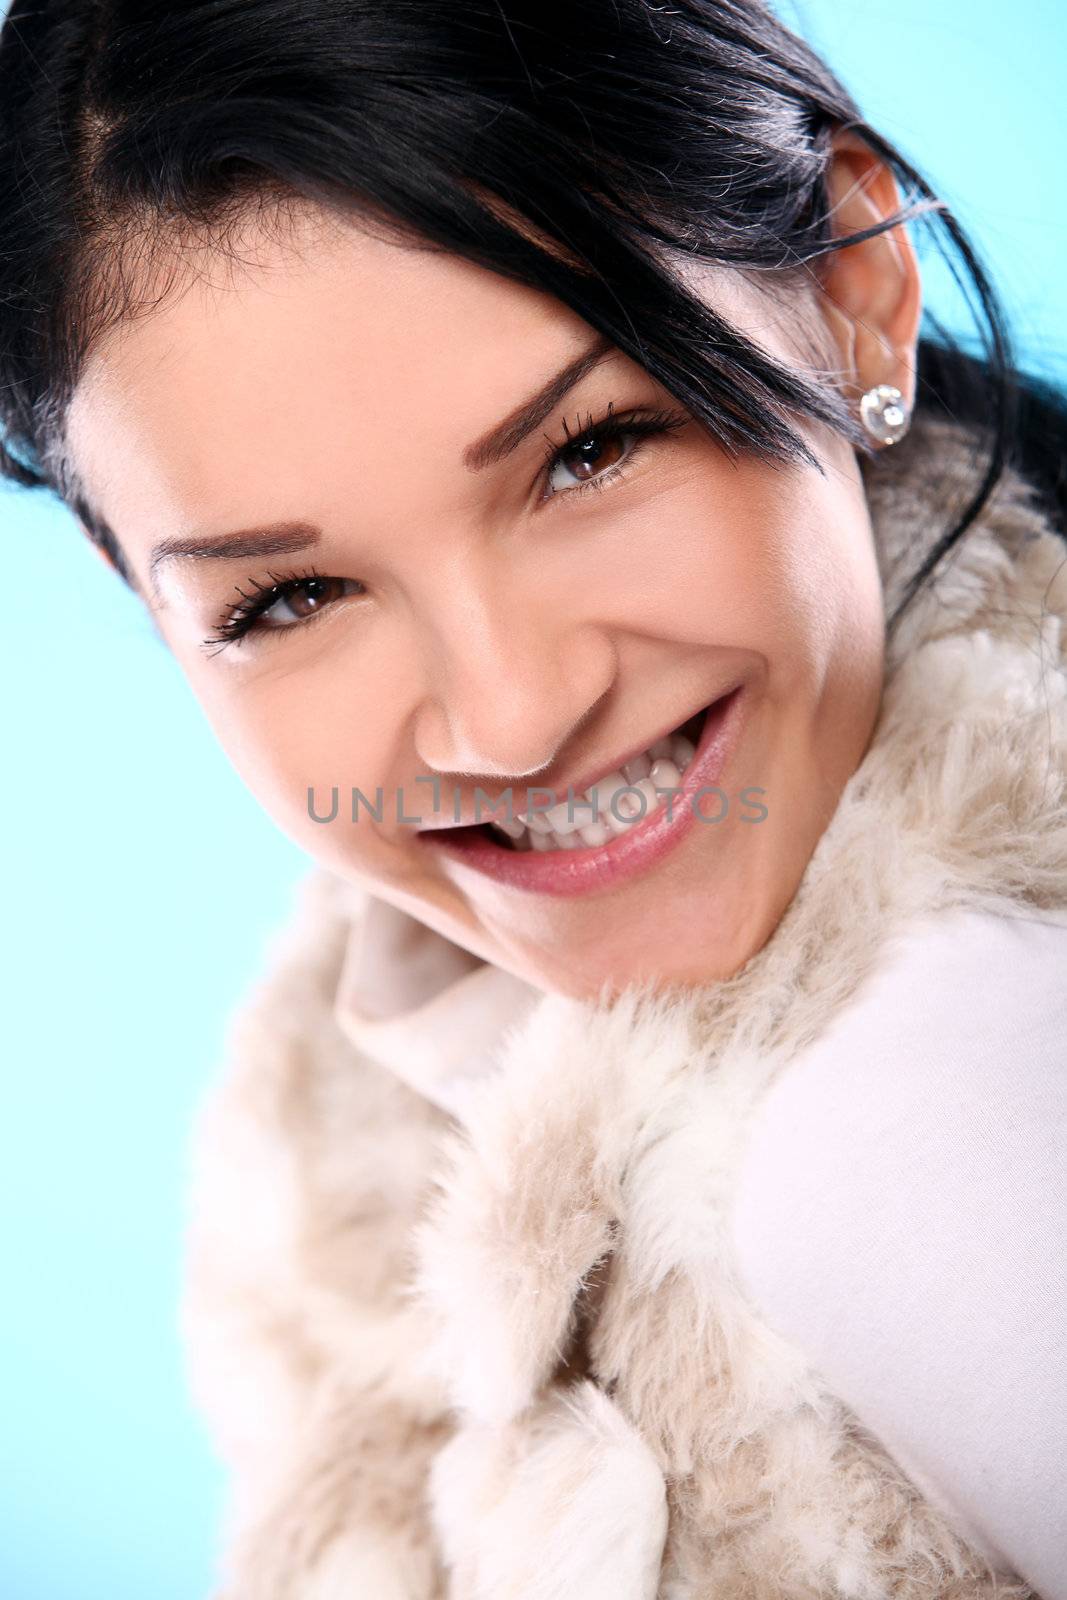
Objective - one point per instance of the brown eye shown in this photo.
(600, 454)
(311, 596)
(280, 605)
(587, 459)
(302, 599)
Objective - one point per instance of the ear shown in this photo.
(873, 290)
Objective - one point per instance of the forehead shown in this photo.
(245, 368)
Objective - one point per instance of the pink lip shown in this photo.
(571, 872)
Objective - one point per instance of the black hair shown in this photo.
(576, 147)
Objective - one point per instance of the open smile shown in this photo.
(572, 849)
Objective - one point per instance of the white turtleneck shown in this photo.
(901, 1210)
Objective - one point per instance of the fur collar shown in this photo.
(515, 1338)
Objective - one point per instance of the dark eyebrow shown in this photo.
(506, 436)
(287, 538)
(276, 539)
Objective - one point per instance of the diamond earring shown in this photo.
(884, 413)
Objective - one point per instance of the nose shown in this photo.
(508, 684)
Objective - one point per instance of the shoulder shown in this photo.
(901, 1208)
(928, 1111)
(955, 1046)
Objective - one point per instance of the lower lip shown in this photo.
(582, 871)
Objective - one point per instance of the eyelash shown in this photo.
(242, 618)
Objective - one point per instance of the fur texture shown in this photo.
(508, 1358)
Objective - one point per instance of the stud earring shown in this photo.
(884, 413)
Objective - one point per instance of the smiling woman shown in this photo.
(522, 416)
(473, 609)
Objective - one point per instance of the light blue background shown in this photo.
(142, 880)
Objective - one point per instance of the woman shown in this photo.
(326, 321)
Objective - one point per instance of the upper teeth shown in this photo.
(570, 826)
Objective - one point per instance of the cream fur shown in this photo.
(509, 1356)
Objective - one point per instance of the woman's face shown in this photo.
(497, 606)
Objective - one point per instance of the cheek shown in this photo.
(807, 576)
(780, 564)
(291, 724)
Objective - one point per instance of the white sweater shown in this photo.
(926, 1127)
